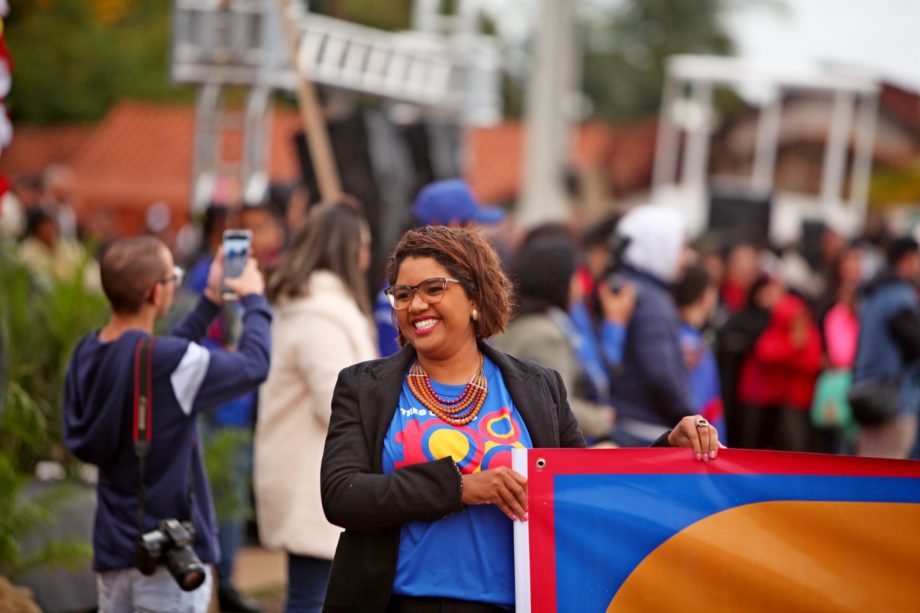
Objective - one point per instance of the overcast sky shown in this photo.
(882, 36)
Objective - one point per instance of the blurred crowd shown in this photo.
(37, 212)
(756, 325)
(769, 343)
(644, 327)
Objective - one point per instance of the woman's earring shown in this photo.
(475, 314)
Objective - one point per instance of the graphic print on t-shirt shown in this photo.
(417, 435)
(483, 444)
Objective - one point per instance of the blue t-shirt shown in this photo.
(704, 379)
(467, 555)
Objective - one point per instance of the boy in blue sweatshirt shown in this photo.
(139, 280)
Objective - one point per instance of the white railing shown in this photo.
(240, 43)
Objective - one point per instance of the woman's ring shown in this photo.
(701, 423)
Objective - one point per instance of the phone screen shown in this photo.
(237, 244)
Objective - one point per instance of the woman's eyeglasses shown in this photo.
(430, 290)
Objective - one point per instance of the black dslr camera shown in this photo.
(171, 544)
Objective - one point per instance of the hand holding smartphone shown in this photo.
(236, 247)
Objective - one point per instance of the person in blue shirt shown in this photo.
(888, 353)
(601, 313)
(447, 202)
(696, 297)
(139, 280)
(417, 462)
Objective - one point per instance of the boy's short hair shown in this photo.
(129, 268)
(692, 286)
(900, 247)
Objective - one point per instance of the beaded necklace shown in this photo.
(458, 411)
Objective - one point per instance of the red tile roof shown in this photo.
(138, 155)
(141, 153)
(493, 161)
(33, 148)
(632, 156)
(494, 156)
(903, 105)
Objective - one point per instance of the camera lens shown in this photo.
(185, 567)
(191, 580)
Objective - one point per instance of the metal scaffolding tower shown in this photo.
(235, 50)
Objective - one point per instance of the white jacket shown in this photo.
(313, 338)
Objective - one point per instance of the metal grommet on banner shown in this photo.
(541, 463)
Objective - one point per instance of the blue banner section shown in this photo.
(606, 525)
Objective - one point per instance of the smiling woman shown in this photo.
(417, 463)
(476, 284)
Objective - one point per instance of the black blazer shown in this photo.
(372, 506)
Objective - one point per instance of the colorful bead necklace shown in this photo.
(458, 411)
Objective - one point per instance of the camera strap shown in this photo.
(142, 426)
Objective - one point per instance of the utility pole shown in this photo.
(546, 141)
(311, 111)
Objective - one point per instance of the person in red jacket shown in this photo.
(778, 377)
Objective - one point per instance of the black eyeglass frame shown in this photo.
(416, 289)
(177, 276)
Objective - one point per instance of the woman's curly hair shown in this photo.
(470, 259)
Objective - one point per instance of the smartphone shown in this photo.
(237, 244)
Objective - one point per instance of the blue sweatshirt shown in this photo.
(880, 350)
(98, 411)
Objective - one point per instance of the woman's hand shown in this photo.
(695, 432)
(502, 487)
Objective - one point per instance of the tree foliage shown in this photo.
(625, 46)
(895, 185)
(74, 58)
(223, 449)
(21, 517)
(39, 326)
(390, 15)
(40, 322)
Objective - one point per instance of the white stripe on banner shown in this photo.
(521, 544)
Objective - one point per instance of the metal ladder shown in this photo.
(222, 45)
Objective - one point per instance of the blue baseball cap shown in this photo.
(449, 201)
